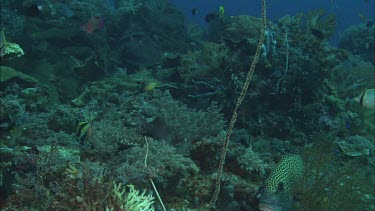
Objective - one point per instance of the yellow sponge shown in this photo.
(287, 172)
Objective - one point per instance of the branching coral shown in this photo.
(241, 28)
(164, 164)
(352, 76)
(359, 40)
(203, 63)
(129, 6)
(11, 20)
(132, 201)
(316, 20)
(252, 163)
(158, 6)
(180, 121)
(326, 187)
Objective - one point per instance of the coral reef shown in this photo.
(155, 96)
(8, 74)
(132, 201)
(356, 146)
(352, 76)
(325, 187)
(11, 20)
(359, 40)
(203, 63)
(319, 24)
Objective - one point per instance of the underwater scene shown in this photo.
(173, 105)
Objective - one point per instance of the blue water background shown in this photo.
(347, 11)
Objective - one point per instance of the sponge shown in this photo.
(287, 172)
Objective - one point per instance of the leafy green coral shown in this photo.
(132, 201)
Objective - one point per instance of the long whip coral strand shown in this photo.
(239, 101)
(152, 182)
(286, 62)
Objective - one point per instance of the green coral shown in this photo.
(356, 146)
(203, 63)
(129, 7)
(11, 50)
(133, 201)
(182, 122)
(287, 172)
(359, 40)
(8, 73)
(242, 28)
(352, 76)
(318, 20)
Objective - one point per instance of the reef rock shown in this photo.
(243, 27)
(8, 74)
(356, 146)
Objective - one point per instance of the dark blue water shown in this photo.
(347, 11)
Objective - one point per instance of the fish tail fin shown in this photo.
(3, 39)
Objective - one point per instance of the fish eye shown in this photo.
(280, 186)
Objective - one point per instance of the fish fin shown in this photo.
(3, 40)
(362, 97)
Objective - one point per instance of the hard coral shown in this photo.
(203, 63)
(359, 39)
(242, 27)
(128, 7)
(132, 201)
(180, 122)
(317, 20)
(164, 164)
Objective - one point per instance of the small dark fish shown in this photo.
(317, 33)
(347, 124)
(336, 152)
(369, 23)
(194, 11)
(211, 17)
(280, 186)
